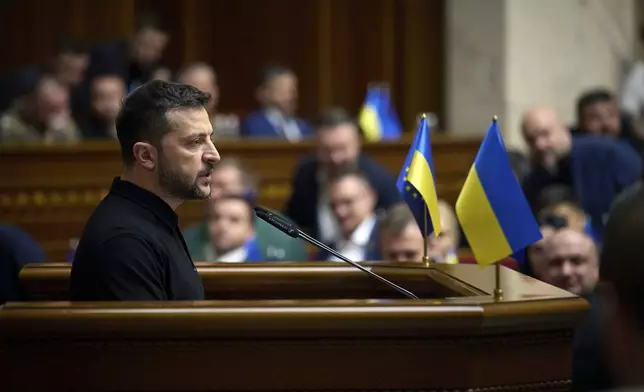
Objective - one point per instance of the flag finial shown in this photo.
(424, 115)
(495, 118)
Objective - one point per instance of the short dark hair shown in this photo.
(350, 171)
(333, 117)
(149, 19)
(143, 115)
(272, 70)
(591, 97)
(71, 45)
(248, 202)
(396, 219)
(556, 194)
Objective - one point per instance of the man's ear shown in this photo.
(145, 154)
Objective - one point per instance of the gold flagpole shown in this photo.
(498, 291)
(426, 261)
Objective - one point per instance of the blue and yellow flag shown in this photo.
(378, 118)
(492, 209)
(416, 182)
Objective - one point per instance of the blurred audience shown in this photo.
(68, 66)
(598, 113)
(136, 60)
(230, 231)
(402, 241)
(277, 94)
(338, 148)
(352, 201)
(107, 93)
(231, 177)
(203, 77)
(42, 115)
(597, 168)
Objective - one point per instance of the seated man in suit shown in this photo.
(352, 202)
(338, 148)
(596, 168)
(228, 177)
(402, 241)
(230, 231)
(277, 93)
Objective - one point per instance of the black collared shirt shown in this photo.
(132, 250)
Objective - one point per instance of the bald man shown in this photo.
(569, 262)
(597, 168)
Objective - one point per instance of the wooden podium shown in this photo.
(359, 337)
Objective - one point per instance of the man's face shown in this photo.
(188, 155)
(226, 180)
(601, 118)
(352, 201)
(545, 136)
(205, 81)
(338, 147)
(107, 95)
(230, 224)
(405, 247)
(148, 46)
(52, 101)
(570, 262)
(281, 92)
(71, 67)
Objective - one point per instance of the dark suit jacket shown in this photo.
(302, 205)
(600, 169)
(257, 125)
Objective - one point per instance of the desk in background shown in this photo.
(51, 190)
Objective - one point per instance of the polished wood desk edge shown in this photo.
(277, 317)
(466, 279)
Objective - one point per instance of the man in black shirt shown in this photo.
(131, 247)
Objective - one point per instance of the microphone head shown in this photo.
(277, 221)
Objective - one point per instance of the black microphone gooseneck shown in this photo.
(292, 231)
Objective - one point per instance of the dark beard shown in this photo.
(179, 185)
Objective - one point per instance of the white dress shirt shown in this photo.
(355, 248)
(237, 255)
(288, 126)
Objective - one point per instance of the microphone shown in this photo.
(291, 230)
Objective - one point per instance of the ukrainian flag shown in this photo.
(378, 118)
(416, 182)
(491, 208)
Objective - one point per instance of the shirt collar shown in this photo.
(362, 234)
(146, 199)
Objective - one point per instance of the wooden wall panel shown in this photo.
(336, 46)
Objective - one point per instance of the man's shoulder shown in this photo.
(308, 164)
(115, 218)
(597, 144)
